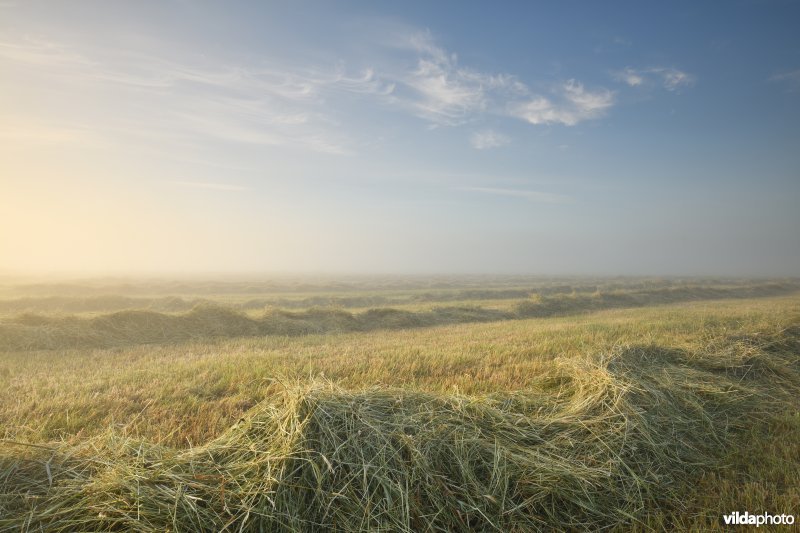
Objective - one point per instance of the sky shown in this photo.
(609, 138)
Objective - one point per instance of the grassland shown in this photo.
(475, 404)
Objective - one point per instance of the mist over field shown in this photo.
(416, 266)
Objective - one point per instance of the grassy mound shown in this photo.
(595, 443)
(89, 297)
(208, 320)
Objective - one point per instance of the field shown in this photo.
(397, 404)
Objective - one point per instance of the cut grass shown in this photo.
(595, 442)
(80, 298)
(190, 392)
(663, 418)
(128, 327)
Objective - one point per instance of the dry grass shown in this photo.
(593, 444)
(209, 320)
(174, 297)
(660, 418)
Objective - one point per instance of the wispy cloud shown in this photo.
(211, 186)
(571, 104)
(790, 79)
(40, 52)
(254, 105)
(292, 106)
(630, 76)
(674, 79)
(483, 140)
(446, 93)
(669, 78)
(446, 97)
(536, 196)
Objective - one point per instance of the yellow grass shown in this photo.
(186, 397)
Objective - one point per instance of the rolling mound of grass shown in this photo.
(596, 442)
(207, 320)
(73, 301)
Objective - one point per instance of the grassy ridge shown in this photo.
(70, 302)
(187, 393)
(315, 285)
(35, 332)
(593, 442)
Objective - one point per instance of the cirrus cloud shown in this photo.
(669, 78)
(572, 103)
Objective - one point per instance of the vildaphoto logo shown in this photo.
(766, 519)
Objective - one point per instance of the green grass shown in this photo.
(625, 415)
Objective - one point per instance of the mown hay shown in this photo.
(596, 443)
(208, 320)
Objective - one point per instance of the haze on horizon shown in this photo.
(548, 138)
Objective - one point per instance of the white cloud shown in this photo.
(367, 83)
(674, 79)
(629, 76)
(255, 105)
(482, 140)
(422, 42)
(790, 78)
(668, 78)
(537, 196)
(573, 104)
(288, 106)
(445, 93)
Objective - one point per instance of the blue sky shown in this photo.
(546, 137)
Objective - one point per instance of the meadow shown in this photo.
(397, 404)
